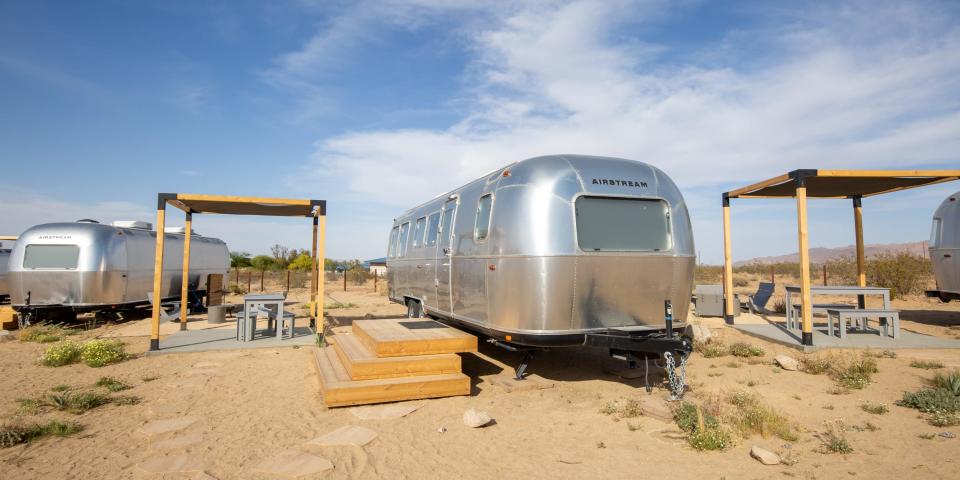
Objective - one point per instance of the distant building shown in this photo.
(377, 266)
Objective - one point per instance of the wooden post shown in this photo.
(321, 239)
(773, 279)
(238, 276)
(157, 275)
(729, 306)
(861, 260)
(805, 297)
(261, 279)
(314, 275)
(344, 280)
(375, 275)
(824, 274)
(249, 277)
(185, 279)
(288, 280)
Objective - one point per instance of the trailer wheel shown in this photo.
(944, 298)
(414, 309)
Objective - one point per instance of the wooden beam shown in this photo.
(238, 199)
(321, 243)
(888, 173)
(861, 256)
(756, 186)
(728, 310)
(8, 237)
(157, 278)
(805, 297)
(185, 279)
(896, 189)
(313, 272)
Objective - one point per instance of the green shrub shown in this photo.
(944, 419)
(835, 442)
(61, 354)
(43, 333)
(112, 384)
(875, 408)
(926, 364)
(97, 353)
(741, 349)
(751, 416)
(931, 400)
(711, 349)
(705, 432)
(903, 273)
(816, 364)
(949, 381)
(854, 374)
(16, 434)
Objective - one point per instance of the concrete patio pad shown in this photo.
(778, 333)
(226, 339)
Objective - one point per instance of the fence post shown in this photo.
(772, 278)
(288, 280)
(375, 275)
(261, 280)
(824, 275)
(249, 277)
(344, 280)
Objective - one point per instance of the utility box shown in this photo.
(709, 300)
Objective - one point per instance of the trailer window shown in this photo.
(433, 224)
(402, 245)
(622, 224)
(51, 256)
(418, 231)
(392, 250)
(935, 233)
(482, 226)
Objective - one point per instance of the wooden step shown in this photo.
(8, 318)
(339, 390)
(361, 363)
(399, 337)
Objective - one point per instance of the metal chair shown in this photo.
(169, 316)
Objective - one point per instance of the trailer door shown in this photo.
(444, 252)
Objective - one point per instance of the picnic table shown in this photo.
(793, 322)
(251, 304)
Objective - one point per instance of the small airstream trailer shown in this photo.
(945, 249)
(560, 250)
(58, 270)
(5, 247)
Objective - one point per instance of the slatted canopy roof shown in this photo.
(843, 183)
(232, 205)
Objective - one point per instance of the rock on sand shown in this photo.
(765, 456)
(787, 362)
(475, 418)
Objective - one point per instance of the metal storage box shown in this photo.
(709, 300)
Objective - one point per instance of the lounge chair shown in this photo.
(173, 315)
(757, 303)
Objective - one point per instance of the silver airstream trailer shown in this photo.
(60, 269)
(560, 250)
(945, 249)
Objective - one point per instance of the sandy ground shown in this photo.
(250, 406)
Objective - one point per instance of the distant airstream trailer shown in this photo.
(61, 269)
(5, 247)
(945, 249)
(558, 250)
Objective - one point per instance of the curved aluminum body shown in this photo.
(113, 266)
(4, 285)
(530, 277)
(945, 245)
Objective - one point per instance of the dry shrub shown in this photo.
(16, 434)
(903, 273)
(752, 416)
(715, 423)
(849, 371)
(623, 409)
(711, 348)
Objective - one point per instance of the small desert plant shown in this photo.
(740, 282)
(16, 434)
(622, 409)
(926, 364)
(112, 384)
(834, 441)
(338, 305)
(944, 419)
(97, 353)
(752, 416)
(148, 379)
(77, 403)
(43, 333)
(705, 432)
(854, 374)
(949, 381)
(711, 349)
(816, 364)
(61, 354)
(125, 400)
(741, 349)
(779, 306)
(931, 400)
(875, 408)
(60, 388)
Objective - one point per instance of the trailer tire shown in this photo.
(414, 309)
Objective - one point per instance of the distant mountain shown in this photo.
(822, 255)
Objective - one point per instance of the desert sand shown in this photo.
(239, 414)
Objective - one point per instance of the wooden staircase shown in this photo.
(393, 359)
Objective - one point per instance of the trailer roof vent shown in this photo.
(87, 220)
(133, 224)
(181, 231)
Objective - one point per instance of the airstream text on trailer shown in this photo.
(558, 250)
(60, 269)
(945, 249)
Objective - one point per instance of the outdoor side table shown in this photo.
(251, 303)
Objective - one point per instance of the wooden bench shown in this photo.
(889, 319)
(817, 308)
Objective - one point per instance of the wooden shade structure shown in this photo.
(804, 184)
(232, 205)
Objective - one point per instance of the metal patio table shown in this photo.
(833, 290)
(258, 301)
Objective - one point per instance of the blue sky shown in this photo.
(378, 105)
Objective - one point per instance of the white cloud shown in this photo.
(860, 85)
